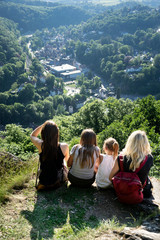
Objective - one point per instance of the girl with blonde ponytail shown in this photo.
(136, 150)
(105, 162)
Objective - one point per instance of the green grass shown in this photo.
(59, 214)
(14, 175)
(67, 213)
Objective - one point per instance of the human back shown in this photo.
(51, 152)
(135, 159)
(105, 162)
(82, 159)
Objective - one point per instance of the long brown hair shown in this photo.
(88, 143)
(112, 145)
(50, 137)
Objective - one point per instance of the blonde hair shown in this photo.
(137, 147)
(112, 145)
(88, 144)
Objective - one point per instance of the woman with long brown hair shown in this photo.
(52, 154)
(82, 160)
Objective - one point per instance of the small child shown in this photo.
(105, 162)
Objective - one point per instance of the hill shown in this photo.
(38, 16)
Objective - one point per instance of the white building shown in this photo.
(70, 109)
(103, 92)
(71, 74)
(62, 68)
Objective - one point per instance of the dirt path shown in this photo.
(20, 215)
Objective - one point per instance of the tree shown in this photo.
(125, 49)
(116, 130)
(36, 67)
(93, 115)
(27, 93)
(157, 61)
(50, 80)
(3, 98)
(22, 78)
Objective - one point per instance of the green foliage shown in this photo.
(17, 141)
(116, 130)
(14, 173)
(93, 115)
(31, 18)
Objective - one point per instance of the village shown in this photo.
(55, 61)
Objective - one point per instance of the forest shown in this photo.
(37, 16)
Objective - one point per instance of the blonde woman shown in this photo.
(82, 160)
(52, 154)
(134, 153)
(105, 162)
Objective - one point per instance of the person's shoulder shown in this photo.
(97, 148)
(106, 156)
(76, 146)
(63, 144)
(150, 158)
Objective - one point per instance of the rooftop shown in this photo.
(63, 68)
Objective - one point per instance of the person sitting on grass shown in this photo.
(52, 154)
(82, 160)
(136, 150)
(105, 163)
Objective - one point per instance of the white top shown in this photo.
(104, 169)
(76, 170)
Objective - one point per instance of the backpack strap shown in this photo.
(120, 163)
(142, 164)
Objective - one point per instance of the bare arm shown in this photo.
(35, 140)
(65, 150)
(98, 162)
(114, 170)
(70, 161)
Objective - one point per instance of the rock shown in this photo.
(139, 234)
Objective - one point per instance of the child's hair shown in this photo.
(86, 154)
(136, 148)
(112, 145)
(50, 137)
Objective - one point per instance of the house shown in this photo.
(42, 79)
(70, 109)
(129, 70)
(52, 93)
(102, 92)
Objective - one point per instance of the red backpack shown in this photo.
(127, 185)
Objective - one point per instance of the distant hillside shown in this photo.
(31, 18)
(127, 19)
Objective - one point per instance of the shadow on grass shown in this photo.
(77, 209)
